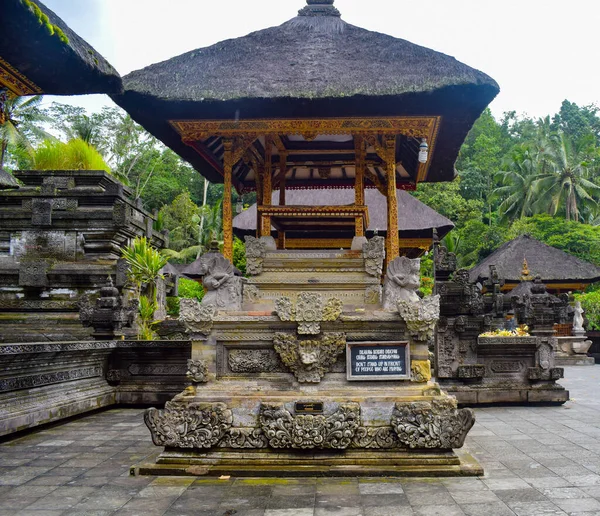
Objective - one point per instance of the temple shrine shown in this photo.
(318, 361)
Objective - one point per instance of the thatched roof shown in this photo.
(551, 264)
(311, 66)
(7, 181)
(413, 215)
(49, 54)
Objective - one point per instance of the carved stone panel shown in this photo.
(309, 359)
(254, 361)
(189, 425)
(435, 424)
(309, 431)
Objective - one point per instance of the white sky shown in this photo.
(539, 51)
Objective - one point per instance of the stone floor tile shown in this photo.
(151, 491)
(536, 509)
(383, 500)
(14, 504)
(290, 512)
(506, 484)
(27, 512)
(291, 502)
(547, 482)
(509, 496)
(584, 480)
(592, 491)
(330, 511)
(366, 488)
(434, 497)
(578, 505)
(486, 509)
(471, 497)
(337, 500)
(438, 510)
(389, 511)
(145, 506)
(294, 490)
(565, 492)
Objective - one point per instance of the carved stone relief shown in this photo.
(309, 431)
(309, 311)
(435, 424)
(223, 287)
(309, 359)
(197, 371)
(420, 316)
(374, 254)
(402, 280)
(254, 361)
(193, 425)
(197, 317)
(256, 249)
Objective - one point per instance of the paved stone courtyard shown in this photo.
(538, 461)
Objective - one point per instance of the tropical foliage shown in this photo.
(76, 154)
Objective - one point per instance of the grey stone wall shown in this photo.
(45, 382)
(60, 237)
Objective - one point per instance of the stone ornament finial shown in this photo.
(525, 272)
(319, 8)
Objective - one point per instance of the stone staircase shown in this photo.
(342, 274)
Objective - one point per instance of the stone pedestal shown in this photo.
(274, 392)
(573, 351)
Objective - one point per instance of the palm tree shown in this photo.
(567, 184)
(517, 181)
(22, 119)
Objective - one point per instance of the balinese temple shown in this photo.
(418, 224)
(313, 103)
(309, 366)
(40, 54)
(559, 271)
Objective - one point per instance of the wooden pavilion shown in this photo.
(313, 103)
(418, 224)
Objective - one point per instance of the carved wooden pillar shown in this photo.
(267, 188)
(392, 244)
(359, 182)
(227, 209)
(259, 170)
(282, 173)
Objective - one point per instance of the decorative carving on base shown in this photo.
(253, 361)
(309, 431)
(375, 437)
(309, 359)
(197, 317)
(244, 438)
(435, 424)
(420, 370)
(374, 254)
(309, 311)
(189, 425)
(223, 287)
(251, 293)
(197, 371)
(256, 249)
(420, 316)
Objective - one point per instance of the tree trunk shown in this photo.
(4, 146)
(201, 227)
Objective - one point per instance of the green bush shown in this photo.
(239, 255)
(590, 302)
(173, 306)
(190, 289)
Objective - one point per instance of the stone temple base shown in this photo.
(336, 463)
(469, 395)
(570, 360)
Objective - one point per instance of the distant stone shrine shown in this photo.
(496, 369)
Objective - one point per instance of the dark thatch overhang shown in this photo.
(550, 264)
(7, 181)
(39, 53)
(415, 219)
(309, 67)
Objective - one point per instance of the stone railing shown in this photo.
(49, 381)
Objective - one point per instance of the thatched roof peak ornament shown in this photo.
(319, 8)
(525, 273)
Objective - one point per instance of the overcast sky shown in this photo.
(539, 51)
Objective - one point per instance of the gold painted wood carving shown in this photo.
(16, 82)
(417, 127)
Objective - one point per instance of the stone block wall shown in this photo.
(44, 382)
(60, 237)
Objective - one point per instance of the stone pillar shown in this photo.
(359, 183)
(392, 244)
(227, 208)
(267, 188)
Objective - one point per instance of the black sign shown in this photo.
(377, 360)
(306, 407)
